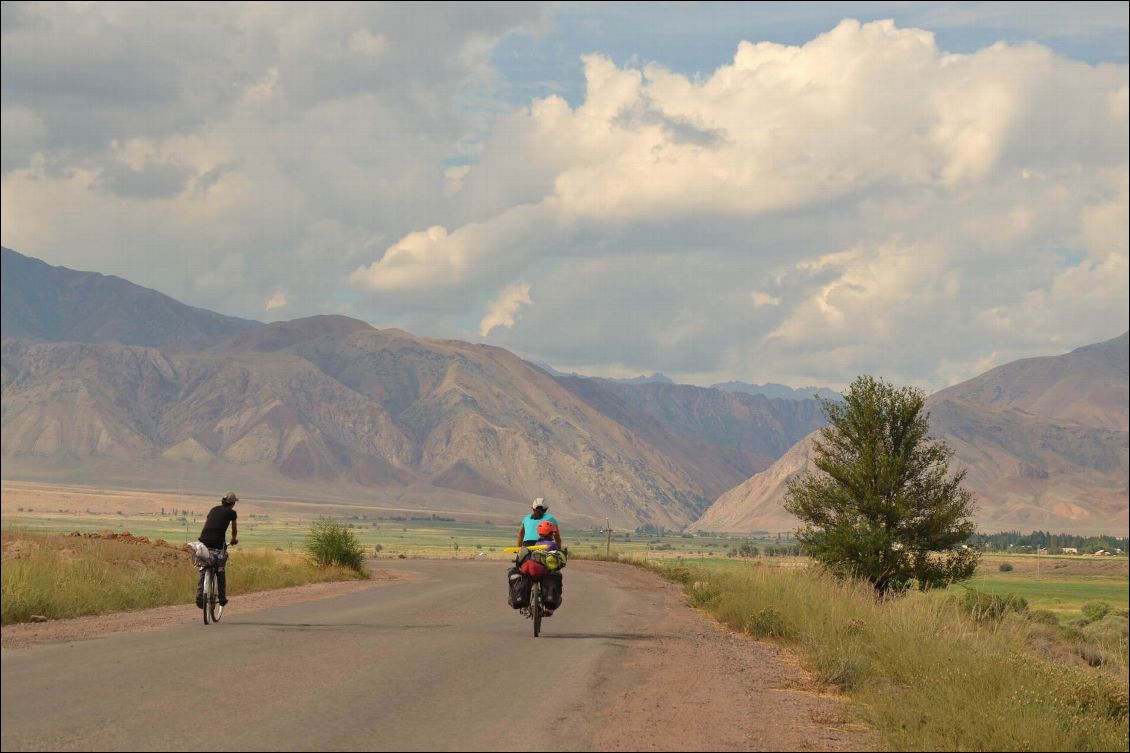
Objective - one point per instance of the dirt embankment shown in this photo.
(150, 552)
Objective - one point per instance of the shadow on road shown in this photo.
(308, 626)
(605, 636)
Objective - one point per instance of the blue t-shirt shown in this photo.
(530, 526)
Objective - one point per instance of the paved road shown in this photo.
(432, 661)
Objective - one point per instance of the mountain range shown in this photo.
(331, 406)
(107, 382)
(57, 304)
(1043, 442)
(782, 391)
(770, 389)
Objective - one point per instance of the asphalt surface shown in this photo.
(434, 660)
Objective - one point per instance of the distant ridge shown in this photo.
(56, 304)
(779, 391)
(770, 390)
(1044, 441)
(656, 377)
(1087, 386)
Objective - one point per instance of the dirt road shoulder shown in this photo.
(700, 686)
(26, 634)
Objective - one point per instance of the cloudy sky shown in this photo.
(794, 192)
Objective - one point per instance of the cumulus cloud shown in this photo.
(367, 43)
(863, 202)
(867, 186)
(760, 299)
(276, 301)
(295, 137)
(503, 310)
(453, 178)
(150, 181)
(418, 261)
(445, 268)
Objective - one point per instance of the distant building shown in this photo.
(1070, 550)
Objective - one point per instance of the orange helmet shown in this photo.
(545, 528)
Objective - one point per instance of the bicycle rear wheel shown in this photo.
(536, 607)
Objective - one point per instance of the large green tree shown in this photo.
(883, 505)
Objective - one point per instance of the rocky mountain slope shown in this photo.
(1044, 442)
(107, 382)
(57, 304)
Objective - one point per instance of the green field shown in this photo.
(1062, 595)
(420, 535)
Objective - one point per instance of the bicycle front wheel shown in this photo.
(214, 605)
(209, 591)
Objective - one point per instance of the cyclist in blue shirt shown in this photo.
(532, 532)
(528, 530)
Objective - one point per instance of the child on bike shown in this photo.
(550, 538)
(213, 536)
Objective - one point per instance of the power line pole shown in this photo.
(608, 539)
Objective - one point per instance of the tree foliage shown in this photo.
(883, 506)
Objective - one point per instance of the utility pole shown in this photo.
(608, 539)
(180, 498)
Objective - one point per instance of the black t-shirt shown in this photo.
(216, 526)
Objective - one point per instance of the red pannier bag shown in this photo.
(533, 568)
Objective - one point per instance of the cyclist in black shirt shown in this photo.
(213, 535)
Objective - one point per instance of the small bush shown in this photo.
(1044, 617)
(1005, 567)
(1095, 656)
(331, 543)
(984, 607)
(680, 574)
(768, 622)
(1111, 630)
(843, 668)
(1095, 610)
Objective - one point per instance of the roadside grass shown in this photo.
(921, 670)
(59, 576)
